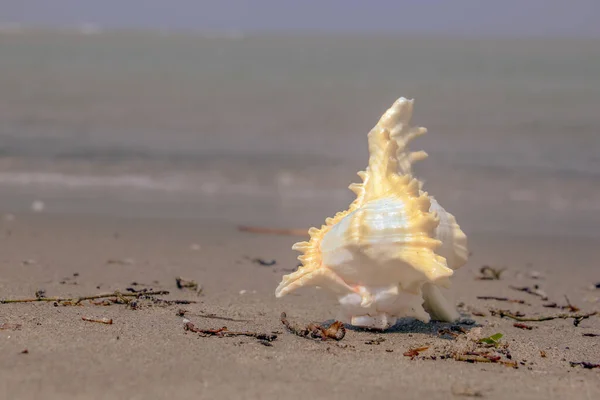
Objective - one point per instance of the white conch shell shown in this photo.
(388, 254)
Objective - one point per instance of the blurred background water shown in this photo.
(271, 128)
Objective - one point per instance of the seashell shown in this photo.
(386, 256)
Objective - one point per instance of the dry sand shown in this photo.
(146, 354)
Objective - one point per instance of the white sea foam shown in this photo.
(201, 184)
(88, 181)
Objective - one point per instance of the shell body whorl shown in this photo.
(453, 240)
(386, 256)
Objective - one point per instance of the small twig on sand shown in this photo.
(335, 331)
(584, 364)
(536, 291)
(214, 316)
(181, 312)
(172, 302)
(77, 300)
(453, 330)
(522, 326)
(569, 306)
(443, 332)
(591, 334)
(142, 284)
(10, 327)
(577, 318)
(132, 290)
(412, 353)
(489, 273)
(478, 313)
(553, 305)
(503, 299)
(224, 332)
(274, 231)
(100, 321)
(484, 359)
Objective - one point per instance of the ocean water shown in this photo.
(272, 129)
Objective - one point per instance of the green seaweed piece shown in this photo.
(492, 340)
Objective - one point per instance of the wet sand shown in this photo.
(146, 353)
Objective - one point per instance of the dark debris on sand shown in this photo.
(518, 316)
(490, 273)
(189, 284)
(335, 331)
(535, 291)
(224, 332)
(468, 348)
(584, 364)
(132, 300)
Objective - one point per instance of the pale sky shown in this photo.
(463, 17)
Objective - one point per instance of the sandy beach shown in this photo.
(145, 353)
(128, 160)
